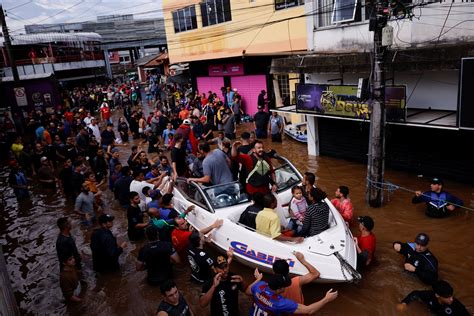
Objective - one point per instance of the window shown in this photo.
(324, 12)
(344, 11)
(284, 84)
(284, 4)
(184, 19)
(215, 12)
(330, 12)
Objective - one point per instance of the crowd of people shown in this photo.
(77, 149)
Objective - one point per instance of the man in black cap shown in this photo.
(440, 300)
(105, 251)
(261, 119)
(418, 259)
(439, 203)
(222, 292)
(365, 243)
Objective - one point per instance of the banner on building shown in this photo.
(235, 69)
(341, 100)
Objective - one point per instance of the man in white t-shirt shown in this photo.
(87, 120)
(138, 183)
(95, 129)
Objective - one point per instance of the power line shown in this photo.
(19, 6)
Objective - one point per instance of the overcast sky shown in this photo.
(54, 11)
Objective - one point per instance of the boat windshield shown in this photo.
(225, 195)
(286, 177)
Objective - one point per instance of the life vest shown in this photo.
(437, 205)
(259, 175)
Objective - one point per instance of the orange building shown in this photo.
(230, 43)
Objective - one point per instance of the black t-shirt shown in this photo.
(135, 216)
(178, 156)
(429, 298)
(245, 149)
(122, 189)
(66, 246)
(77, 180)
(182, 309)
(261, 120)
(200, 263)
(249, 215)
(107, 137)
(156, 256)
(65, 176)
(225, 300)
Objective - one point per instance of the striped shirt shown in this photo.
(316, 219)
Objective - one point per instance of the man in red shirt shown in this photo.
(105, 112)
(260, 172)
(365, 243)
(180, 235)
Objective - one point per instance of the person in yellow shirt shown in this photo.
(17, 147)
(268, 222)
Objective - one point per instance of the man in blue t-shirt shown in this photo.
(268, 300)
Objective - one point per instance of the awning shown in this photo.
(441, 57)
(415, 117)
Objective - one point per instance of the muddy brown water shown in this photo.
(28, 233)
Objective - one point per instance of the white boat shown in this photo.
(297, 131)
(332, 252)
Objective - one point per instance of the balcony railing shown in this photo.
(56, 59)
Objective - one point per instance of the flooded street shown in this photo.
(28, 233)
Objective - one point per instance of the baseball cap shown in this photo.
(43, 159)
(187, 122)
(154, 193)
(436, 181)
(367, 221)
(422, 239)
(220, 262)
(279, 281)
(104, 218)
(115, 150)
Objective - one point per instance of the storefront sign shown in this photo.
(236, 69)
(341, 100)
(20, 95)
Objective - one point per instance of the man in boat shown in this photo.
(260, 172)
(268, 297)
(215, 166)
(439, 203)
(418, 259)
(268, 222)
(440, 300)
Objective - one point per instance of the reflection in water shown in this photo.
(28, 232)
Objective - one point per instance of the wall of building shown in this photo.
(419, 32)
(437, 90)
(256, 29)
(419, 155)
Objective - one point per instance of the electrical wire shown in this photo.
(19, 6)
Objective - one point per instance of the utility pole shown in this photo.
(8, 47)
(376, 156)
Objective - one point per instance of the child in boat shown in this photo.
(297, 209)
